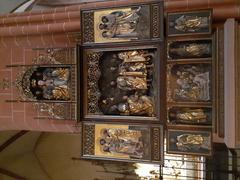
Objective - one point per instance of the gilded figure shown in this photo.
(120, 24)
(137, 105)
(191, 50)
(189, 116)
(192, 83)
(122, 141)
(188, 142)
(128, 83)
(187, 23)
(135, 56)
(53, 84)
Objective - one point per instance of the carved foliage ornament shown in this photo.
(23, 83)
(155, 21)
(88, 24)
(94, 74)
(88, 139)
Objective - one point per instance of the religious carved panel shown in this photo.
(49, 83)
(199, 116)
(120, 83)
(180, 141)
(189, 23)
(123, 24)
(122, 142)
(189, 82)
(198, 49)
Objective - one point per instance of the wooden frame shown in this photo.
(176, 88)
(150, 136)
(189, 142)
(91, 96)
(91, 19)
(198, 22)
(190, 116)
(190, 53)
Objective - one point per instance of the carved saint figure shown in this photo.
(133, 69)
(189, 116)
(131, 82)
(186, 23)
(190, 50)
(54, 83)
(186, 142)
(122, 141)
(192, 84)
(135, 56)
(120, 24)
(137, 105)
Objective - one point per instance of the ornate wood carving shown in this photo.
(88, 26)
(156, 21)
(156, 149)
(169, 93)
(88, 139)
(220, 83)
(92, 81)
(23, 83)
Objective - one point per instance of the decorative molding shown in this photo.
(5, 84)
(88, 139)
(88, 26)
(93, 75)
(22, 83)
(156, 149)
(220, 83)
(47, 58)
(55, 110)
(156, 21)
(169, 93)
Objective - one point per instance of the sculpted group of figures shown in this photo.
(51, 83)
(122, 142)
(131, 85)
(190, 81)
(120, 24)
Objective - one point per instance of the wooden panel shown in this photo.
(238, 84)
(230, 83)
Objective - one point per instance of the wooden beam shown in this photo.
(11, 174)
(12, 140)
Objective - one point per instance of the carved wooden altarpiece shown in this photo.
(121, 62)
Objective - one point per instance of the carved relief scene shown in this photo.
(189, 82)
(51, 83)
(118, 141)
(189, 142)
(184, 23)
(189, 49)
(122, 24)
(122, 83)
(190, 116)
